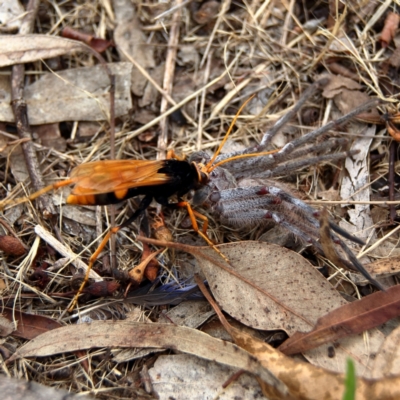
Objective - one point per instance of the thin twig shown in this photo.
(169, 73)
(20, 110)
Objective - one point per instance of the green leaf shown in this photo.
(350, 382)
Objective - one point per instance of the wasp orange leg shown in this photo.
(203, 233)
(142, 207)
(171, 154)
(92, 260)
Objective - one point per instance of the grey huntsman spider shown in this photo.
(246, 206)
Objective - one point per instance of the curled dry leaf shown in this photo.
(113, 334)
(152, 268)
(350, 319)
(94, 42)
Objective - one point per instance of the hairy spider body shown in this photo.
(249, 206)
(258, 204)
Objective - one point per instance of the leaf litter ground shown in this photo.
(209, 57)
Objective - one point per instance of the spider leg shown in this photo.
(267, 165)
(244, 206)
(280, 123)
(307, 138)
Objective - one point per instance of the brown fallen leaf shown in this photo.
(347, 94)
(102, 289)
(94, 42)
(389, 29)
(29, 325)
(305, 381)
(128, 334)
(350, 319)
(270, 287)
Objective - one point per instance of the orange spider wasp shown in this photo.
(113, 181)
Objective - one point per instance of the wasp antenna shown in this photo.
(210, 163)
(35, 195)
(240, 156)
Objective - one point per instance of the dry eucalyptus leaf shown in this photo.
(308, 382)
(355, 186)
(352, 318)
(19, 49)
(129, 354)
(75, 95)
(112, 334)
(29, 326)
(183, 377)
(271, 287)
(387, 362)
